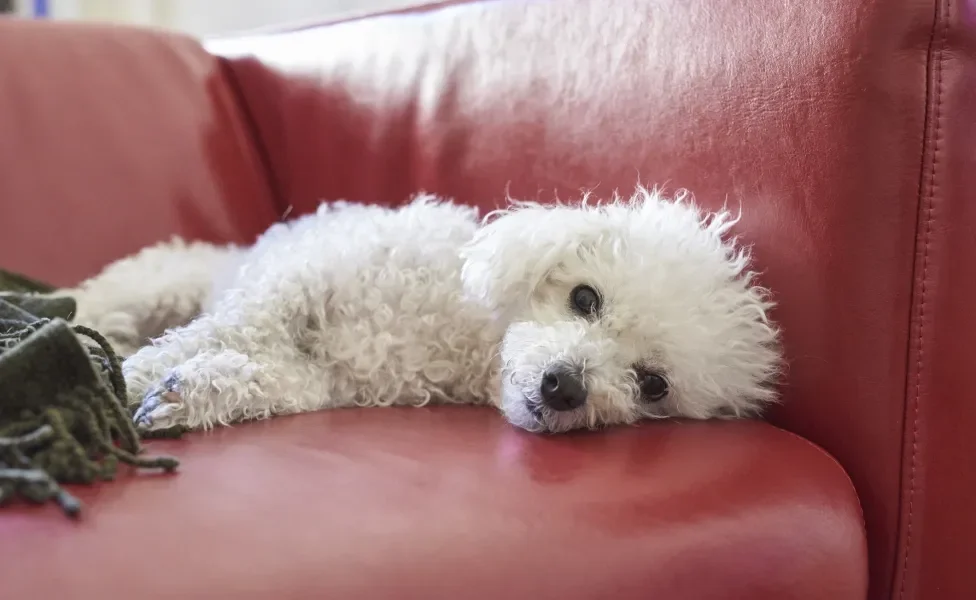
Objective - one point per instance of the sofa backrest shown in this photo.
(836, 126)
(113, 138)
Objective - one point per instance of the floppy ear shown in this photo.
(512, 254)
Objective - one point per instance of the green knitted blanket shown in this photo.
(63, 416)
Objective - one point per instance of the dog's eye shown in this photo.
(653, 387)
(585, 300)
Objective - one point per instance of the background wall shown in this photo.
(204, 17)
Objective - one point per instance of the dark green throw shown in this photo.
(63, 416)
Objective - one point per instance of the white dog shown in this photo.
(563, 317)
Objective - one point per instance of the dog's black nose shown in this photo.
(562, 389)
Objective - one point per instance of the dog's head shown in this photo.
(620, 311)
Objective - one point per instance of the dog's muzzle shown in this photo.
(562, 389)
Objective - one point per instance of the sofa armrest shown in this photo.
(112, 138)
(452, 502)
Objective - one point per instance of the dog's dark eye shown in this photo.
(585, 300)
(653, 387)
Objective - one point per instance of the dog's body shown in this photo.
(562, 317)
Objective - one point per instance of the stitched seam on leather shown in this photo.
(926, 208)
(254, 134)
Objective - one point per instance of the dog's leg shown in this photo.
(214, 371)
(139, 297)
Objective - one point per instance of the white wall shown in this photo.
(209, 17)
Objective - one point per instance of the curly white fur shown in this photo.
(365, 306)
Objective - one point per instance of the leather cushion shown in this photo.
(452, 502)
(114, 138)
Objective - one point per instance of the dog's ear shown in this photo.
(511, 254)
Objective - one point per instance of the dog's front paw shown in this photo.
(162, 407)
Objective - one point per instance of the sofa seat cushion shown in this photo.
(452, 502)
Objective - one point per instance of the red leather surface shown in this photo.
(111, 139)
(811, 116)
(938, 534)
(454, 503)
(843, 129)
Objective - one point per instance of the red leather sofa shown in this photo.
(842, 128)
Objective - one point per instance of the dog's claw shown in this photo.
(143, 416)
(158, 402)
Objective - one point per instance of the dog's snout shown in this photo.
(562, 389)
